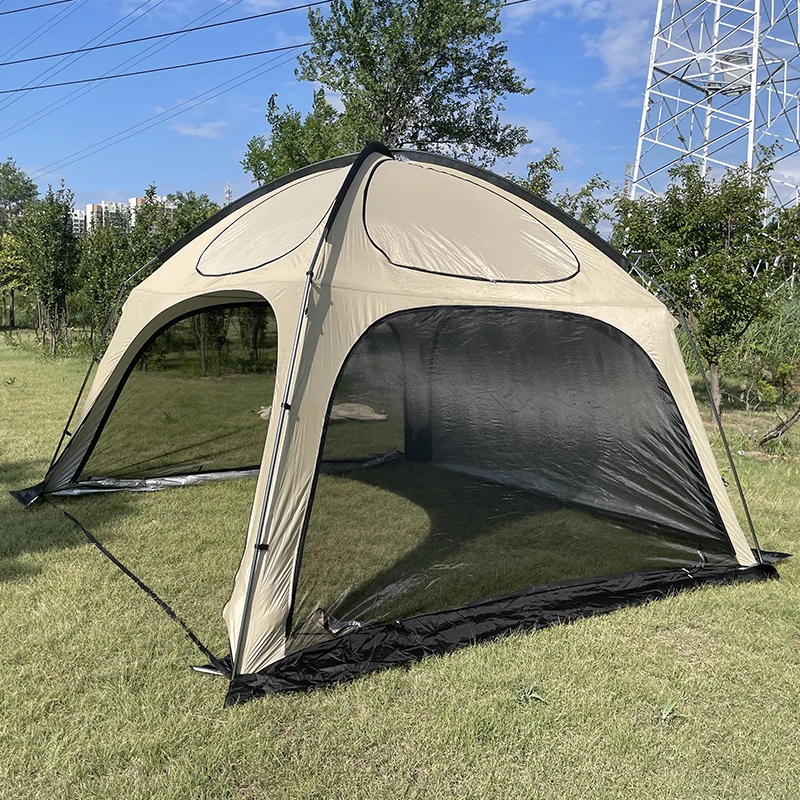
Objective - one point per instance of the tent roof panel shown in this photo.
(427, 219)
(272, 226)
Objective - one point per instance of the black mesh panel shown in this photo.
(192, 399)
(509, 449)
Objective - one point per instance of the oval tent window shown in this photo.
(272, 227)
(436, 222)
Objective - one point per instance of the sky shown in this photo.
(586, 59)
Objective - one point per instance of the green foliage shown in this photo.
(105, 264)
(50, 253)
(421, 73)
(296, 141)
(539, 180)
(185, 212)
(428, 74)
(12, 263)
(17, 191)
(590, 205)
(716, 246)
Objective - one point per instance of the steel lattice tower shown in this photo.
(723, 81)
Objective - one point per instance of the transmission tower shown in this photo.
(723, 83)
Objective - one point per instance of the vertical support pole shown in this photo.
(260, 546)
(755, 54)
(646, 103)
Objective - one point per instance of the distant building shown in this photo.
(97, 212)
(78, 221)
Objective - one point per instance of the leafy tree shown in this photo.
(716, 246)
(12, 271)
(105, 263)
(296, 141)
(16, 191)
(429, 74)
(50, 252)
(540, 174)
(149, 229)
(185, 212)
(590, 204)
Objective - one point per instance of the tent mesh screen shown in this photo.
(491, 450)
(191, 400)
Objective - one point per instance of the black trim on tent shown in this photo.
(278, 183)
(379, 646)
(512, 188)
(269, 197)
(418, 268)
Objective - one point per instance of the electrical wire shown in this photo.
(44, 28)
(127, 133)
(156, 119)
(31, 8)
(54, 70)
(82, 91)
(158, 69)
(169, 33)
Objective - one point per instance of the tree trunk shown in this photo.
(200, 330)
(52, 325)
(716, 393)
(11, 320)
(779, 428)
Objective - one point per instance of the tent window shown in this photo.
(510, 448)
(191, 400)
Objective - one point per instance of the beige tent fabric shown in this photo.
(408, 235)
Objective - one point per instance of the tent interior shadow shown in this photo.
(473, 540)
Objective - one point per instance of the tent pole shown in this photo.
(261, 547)
(95, 357)
(714, 410)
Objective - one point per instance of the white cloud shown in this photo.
(620, 33)
(203, 130)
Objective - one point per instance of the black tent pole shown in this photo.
(95, 357)
(714, 410)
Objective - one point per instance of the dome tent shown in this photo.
(535, 453)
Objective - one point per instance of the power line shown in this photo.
(172, 112)
(155, 120)
(82, 91)
(44, 28)
(170, 33)
(31, 8)
(156, 69)
(54, 69)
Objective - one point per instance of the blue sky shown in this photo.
(587, 60)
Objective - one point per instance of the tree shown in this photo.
(716, 246)
(185, 212)
(149, 229)
(105, 263)
(428, 74)
(296, 141)
(12, 271)
(590, 204)
(540, 174)
(16, 191)
(50, 251)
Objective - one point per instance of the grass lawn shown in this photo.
(97, 701)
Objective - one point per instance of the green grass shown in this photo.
(96, 700)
